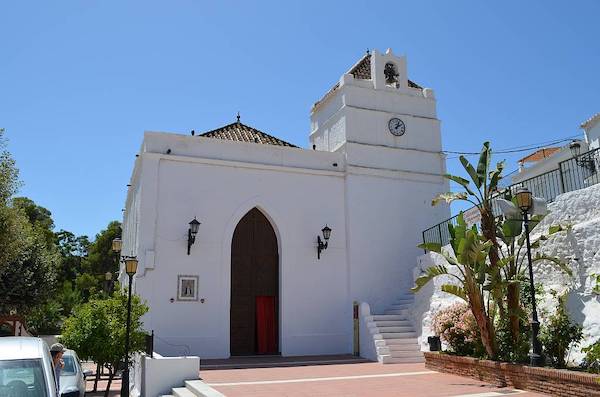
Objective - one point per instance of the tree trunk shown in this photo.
(488, 337)
(110, 379)
(514, 305)
(97, 377)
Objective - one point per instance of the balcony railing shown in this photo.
(572, 174)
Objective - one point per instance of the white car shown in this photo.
(72, 377)
(25, 368)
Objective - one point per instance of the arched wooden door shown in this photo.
(254, 312)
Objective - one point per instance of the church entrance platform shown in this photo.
(367, 379)
(270, 361)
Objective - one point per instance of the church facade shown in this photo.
(288, 238)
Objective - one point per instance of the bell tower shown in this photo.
(387, 127)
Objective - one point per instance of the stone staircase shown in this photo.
(194, 388)
(394, 335)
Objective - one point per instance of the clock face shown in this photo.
(397, 126)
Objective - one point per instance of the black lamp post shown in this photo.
(108, 278)
(131, 264)
(322, 245)
(192, 231)
(524, 200)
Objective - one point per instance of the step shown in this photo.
(403, 312)
(398, 360)
(396, 353)
(201, 389)
(397, 306)
(391, 323)
(395, 342)
(404, 347)
(404, 301)
(390, 329)
(392, 349)
(183, 392)
(395, 335)
(385, 317)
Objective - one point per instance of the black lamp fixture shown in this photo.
(322, 244)
(524, 200)
(131, 264)
(192, 231)
(583, 161)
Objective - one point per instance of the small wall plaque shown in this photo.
(187, 288)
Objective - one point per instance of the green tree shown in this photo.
(29, 280)
(513, 262)
(73, 251)
(96, 331)
(101, 258)
(472, 282)
(12, 222)
(481, 193)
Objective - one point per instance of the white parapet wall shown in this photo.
(579, 247)
(158, 375)
(430, 299)
(366, 342)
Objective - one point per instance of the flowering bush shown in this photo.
(456, 326)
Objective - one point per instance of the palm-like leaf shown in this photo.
(430, 273)
(455, 290)
(449, 197)
(471, 171)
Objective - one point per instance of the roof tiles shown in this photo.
(242, 133)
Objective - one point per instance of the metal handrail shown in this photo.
(572, 174)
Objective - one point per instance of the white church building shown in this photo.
(259, 276)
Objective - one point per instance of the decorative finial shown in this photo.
(368, 51)
(238, 117)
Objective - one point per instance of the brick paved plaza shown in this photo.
(349, 380)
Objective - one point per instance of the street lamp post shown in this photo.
(108, 278)
(130, 268)
(524, 200)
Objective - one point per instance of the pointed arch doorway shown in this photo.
(254, 311)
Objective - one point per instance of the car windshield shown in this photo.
(70, 368)
(22, 378)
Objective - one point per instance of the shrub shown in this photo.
(592, 357)
(456, 326)
(510, 350)
(560, 334)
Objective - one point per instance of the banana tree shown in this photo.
(480, 193)
(512, 258)
(471, 251)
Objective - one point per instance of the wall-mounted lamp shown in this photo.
(583, 161)
(192, 231)
(322, 245)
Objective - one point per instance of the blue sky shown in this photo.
(81, 80)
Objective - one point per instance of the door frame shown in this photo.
(276, 221)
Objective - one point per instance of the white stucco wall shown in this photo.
(158, 375)
(580, 248)
(297, 201)
(592, 135)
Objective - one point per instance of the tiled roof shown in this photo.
(361, 71)
(591, 121)
(242, 133)
(539, 154)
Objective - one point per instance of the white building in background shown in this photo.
(252, 282)
(548, 159)
(591, 128)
